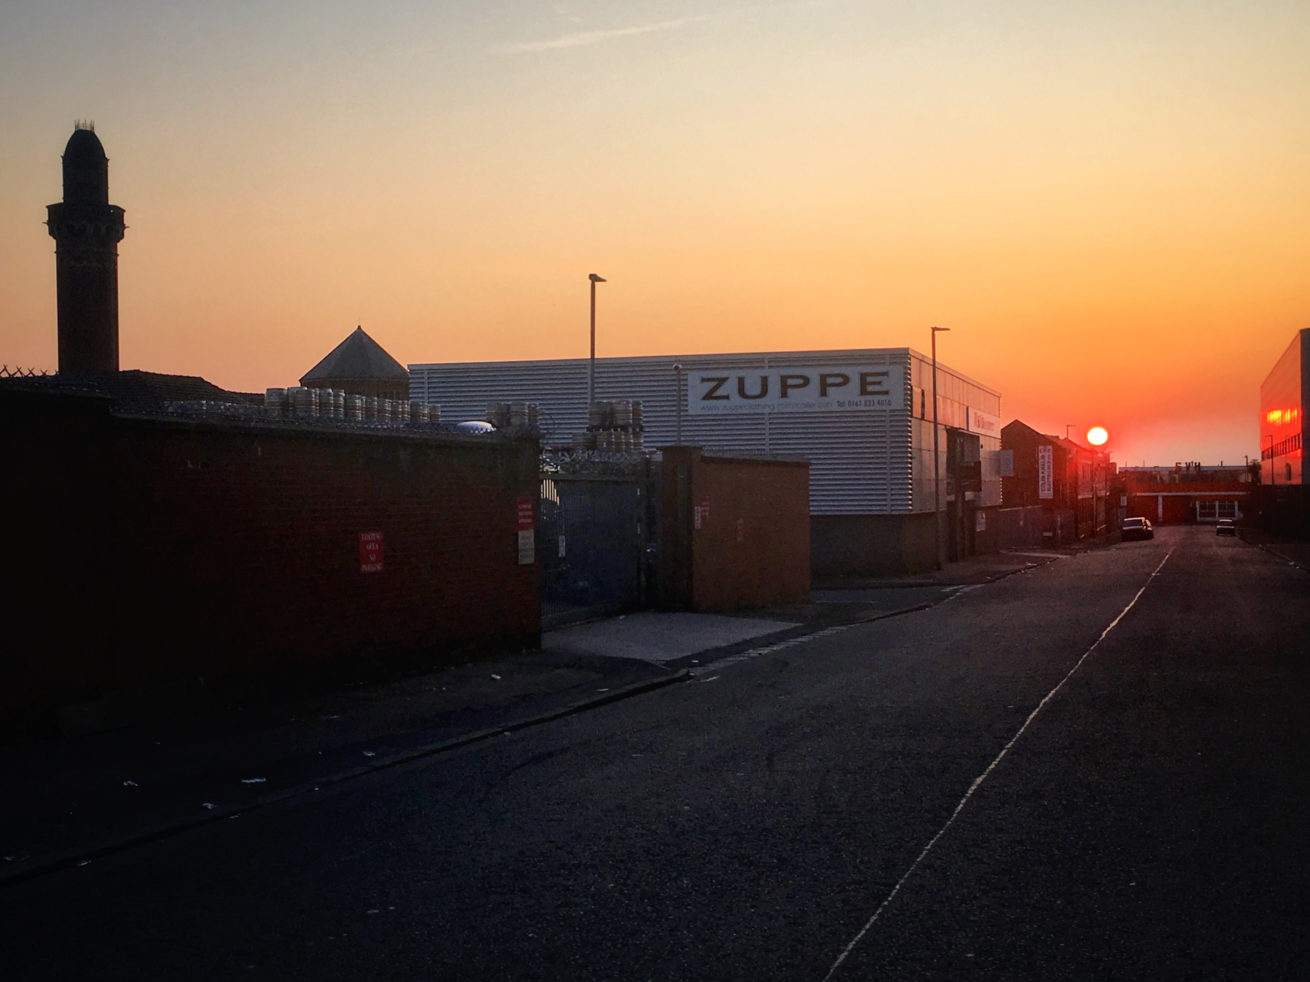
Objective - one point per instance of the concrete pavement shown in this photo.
(77, 800)
(659, 637)
(1292, 551)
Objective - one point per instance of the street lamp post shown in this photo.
(591, 369)
(936, 461)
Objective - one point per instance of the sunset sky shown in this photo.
(1108, 202)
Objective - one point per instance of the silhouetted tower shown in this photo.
(86, 229)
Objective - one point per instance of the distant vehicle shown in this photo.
(1136, 528)
(474, 427)
(1226, 526)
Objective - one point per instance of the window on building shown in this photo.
(1212, 511)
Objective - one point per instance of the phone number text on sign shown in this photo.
(370, 552)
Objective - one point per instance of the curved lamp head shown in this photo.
(595, 278)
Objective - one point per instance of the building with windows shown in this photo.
(861, 417)
(1284, 402)
(1071, 485)
(1190, 493)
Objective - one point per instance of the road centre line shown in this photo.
(978, 781)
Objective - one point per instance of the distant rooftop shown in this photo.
(134, 391)
(357, 357)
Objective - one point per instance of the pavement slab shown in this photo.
(660, 637)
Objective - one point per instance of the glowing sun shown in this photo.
(1097, 435)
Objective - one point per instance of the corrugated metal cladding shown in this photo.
(860, 459)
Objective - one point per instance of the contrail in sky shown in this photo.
(583, 38)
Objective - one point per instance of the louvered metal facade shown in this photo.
(863, 461)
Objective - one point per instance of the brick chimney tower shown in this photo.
(86, 229)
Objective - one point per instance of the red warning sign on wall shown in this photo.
(527, 537)
(525, 513)
(370, 552)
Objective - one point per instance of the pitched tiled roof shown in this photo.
(357, 357)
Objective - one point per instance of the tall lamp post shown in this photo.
(591, 371)
(936, 462)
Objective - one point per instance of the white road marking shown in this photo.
(978, 781)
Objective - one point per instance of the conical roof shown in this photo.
(357, 357)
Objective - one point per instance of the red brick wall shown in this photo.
(735, 532)
(160, 549)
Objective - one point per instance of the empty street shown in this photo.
(1095, 769)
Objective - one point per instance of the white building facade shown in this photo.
(863, 418)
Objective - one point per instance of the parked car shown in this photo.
(1226, 526)
(1136, 528)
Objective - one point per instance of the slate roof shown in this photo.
(357, 357)
(135, 390)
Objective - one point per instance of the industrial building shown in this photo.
(1284, 402)
(1190, 493)
(1068, 483)
(863, 418)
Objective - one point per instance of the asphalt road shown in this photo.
(1098, 769)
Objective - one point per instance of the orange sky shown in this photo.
(1106, 202)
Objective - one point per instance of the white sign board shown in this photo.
(983, 423)
(1045, 473)
(768, 390)
(527, 520)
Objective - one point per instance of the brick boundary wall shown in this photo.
(148, 550)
